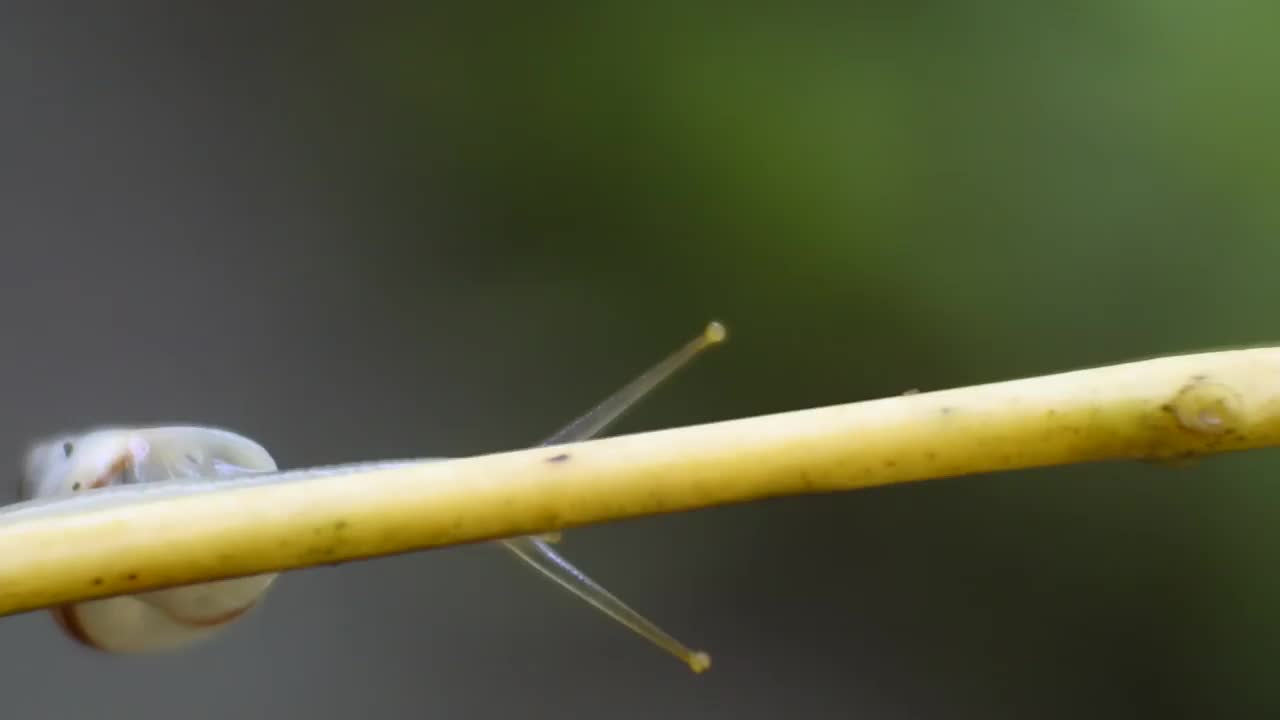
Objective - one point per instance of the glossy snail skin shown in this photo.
(161, 620)
(169, 619)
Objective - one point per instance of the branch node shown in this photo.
(1207, 407)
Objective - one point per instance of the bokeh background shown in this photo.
(445, 229)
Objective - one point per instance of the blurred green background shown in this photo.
(448, 228)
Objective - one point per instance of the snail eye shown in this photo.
(67, 449)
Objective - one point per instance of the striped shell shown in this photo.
(160, 620)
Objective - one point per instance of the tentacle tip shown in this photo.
(699, 662)
(716, 332)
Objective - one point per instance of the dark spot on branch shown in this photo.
(562, 457)
(97, 581)
(132, 576)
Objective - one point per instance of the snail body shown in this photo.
(172, 618)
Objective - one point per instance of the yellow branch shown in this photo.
(1154, 409)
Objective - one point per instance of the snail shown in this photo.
(169, 619)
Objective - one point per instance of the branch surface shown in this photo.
(1166, 408)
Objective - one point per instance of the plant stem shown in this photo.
(1166, 408)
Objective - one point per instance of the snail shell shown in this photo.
(159, 620)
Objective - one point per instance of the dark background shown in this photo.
(448, 229)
